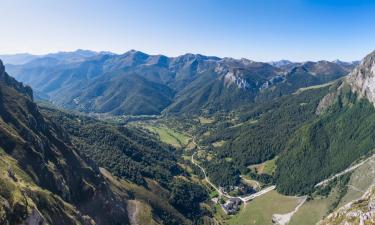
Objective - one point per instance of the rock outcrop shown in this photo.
(361, 211)
(362, 78)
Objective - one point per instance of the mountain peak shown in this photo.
(2, 68)
(280, 63)
(362, 78)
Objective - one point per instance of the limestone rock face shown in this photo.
(362, 78)
(361, 211)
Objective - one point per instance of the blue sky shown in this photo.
(256, 29)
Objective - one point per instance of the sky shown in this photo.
(261, 30)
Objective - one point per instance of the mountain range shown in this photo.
(136, 83)
(312, 119)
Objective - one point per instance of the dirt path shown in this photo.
(250, 181)
(133, 210)
(283, 219)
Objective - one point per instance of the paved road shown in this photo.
(324, 182)
(244, 199)
(257, 194)
(208, 180)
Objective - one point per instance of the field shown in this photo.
(169, 136)
(315, 87)
(267, 167)
(218, 143)
(312, 211)
(155, 197)
(360, 180)
(140, 213)
(204, 120)
(260, 210)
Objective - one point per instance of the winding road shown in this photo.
(208, 180)
(221, 193)
(324, 182)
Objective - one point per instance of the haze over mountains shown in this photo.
(312, 120)
(136, 83)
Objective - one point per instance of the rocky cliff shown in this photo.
(43, 180)
(362, 78)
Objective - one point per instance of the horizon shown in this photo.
(258, 30)
(121, 53)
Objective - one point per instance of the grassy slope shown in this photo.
(359, 212)
(20, 196)
(260, 210)
(360, 180)
(267, 167)
(270, 166)
(154, 197)
(312, 211)
(169, 136)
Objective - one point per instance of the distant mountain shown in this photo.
(17, 59)
(76, 56)
(23, 58)
(128, 83)
(350, 65)
(283, 64)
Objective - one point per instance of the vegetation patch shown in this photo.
(260, 210)
(204, 120)
(169, 136)
(218, 143)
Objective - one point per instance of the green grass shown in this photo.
(220, 214)
(169, 136)
(218, 143)
(314, 87)
(270, 166)
(143, 213)
(214, 194)
(155, 197)
(12, 193)
(204, 120)
(267, 167)
(260, 210)
(312, 211)
(360, 180)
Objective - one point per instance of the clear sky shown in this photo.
(256, 29)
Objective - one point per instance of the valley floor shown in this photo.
(267, 206)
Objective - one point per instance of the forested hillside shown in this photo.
(50, 173)
(328, 145)
(126, 152)
(134, 155)
(43, 177)
(136, 83)
(262, 136)
(314, 133)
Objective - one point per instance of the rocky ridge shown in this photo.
(362, 78)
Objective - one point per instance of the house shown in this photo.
(232, 205)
